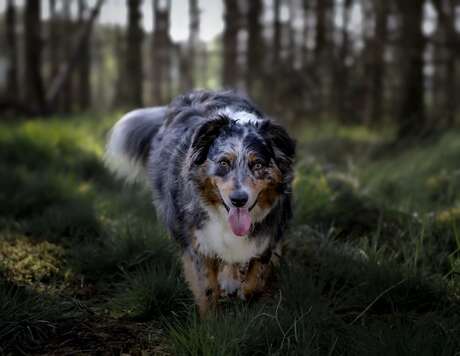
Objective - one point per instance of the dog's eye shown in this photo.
(224, 163)
(257, 166)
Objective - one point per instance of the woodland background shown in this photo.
(368, 88)
(358, 61)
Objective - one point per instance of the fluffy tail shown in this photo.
(128, 144)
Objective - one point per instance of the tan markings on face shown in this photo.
(207, 186)
(209, 191)
(264, 185)
(213, 187)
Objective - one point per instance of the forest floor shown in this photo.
(371, 267)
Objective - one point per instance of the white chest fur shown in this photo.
(216, 238)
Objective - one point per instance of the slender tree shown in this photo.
(412, 116)
(445, 10)
(193, 42)
(84, 62)
(306, 12)
(276, 45)
(379, 42)
(255, 46)
(54, 41)
(342, 75)
(134, 63)
(34, 91)
(68, 26)
(321, 31)
(321, 59)
(161, 53)
(232, 14)
(11, 45)
(68, 67)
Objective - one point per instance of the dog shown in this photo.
(221, 174)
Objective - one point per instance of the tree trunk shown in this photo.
(292, 33)
(445, 10)
(451, 90)
(134, 66)
(255, 47)
(12, 54)
(232, 15)
(276, 34)
(54, 41)
(68, 86)
(322, 8)
(161, 56)
(66, 71)
(305, 32)
(34, 92)
(341, 87)
(412, 117)
(321, 28)
(84, 65)
(193, 43)
(378, 60)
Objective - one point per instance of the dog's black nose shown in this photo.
(239, 198)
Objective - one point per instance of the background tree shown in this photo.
(232, 15)
(67, 68)
(193, 42)
(68, 86)
(379, 42)
(356, 61)
(255, 46)
(412, 114)
(55, 27)
(12, 50)
(84, 61)
(445, 10)
(34, 95)
(323, 9)
(161, 53)
(341, 66)
(134, 62)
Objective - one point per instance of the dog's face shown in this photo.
(243, 167)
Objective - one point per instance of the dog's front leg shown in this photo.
(255, 276)
(254, 279)
(201, 275)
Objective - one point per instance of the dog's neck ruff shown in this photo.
(216, 239)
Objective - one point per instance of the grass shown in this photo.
(371, 267)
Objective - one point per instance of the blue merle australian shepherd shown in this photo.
(221, 175)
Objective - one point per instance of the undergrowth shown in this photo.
(371, 266)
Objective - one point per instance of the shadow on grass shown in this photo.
(330, 301)
(68, 234)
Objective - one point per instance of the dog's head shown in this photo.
(242, 165)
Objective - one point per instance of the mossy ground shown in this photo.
(371, 267)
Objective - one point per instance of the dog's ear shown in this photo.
(203, 138)
(283, 145)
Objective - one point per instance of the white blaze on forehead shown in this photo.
(242, 117)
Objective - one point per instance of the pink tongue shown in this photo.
(240, 221)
